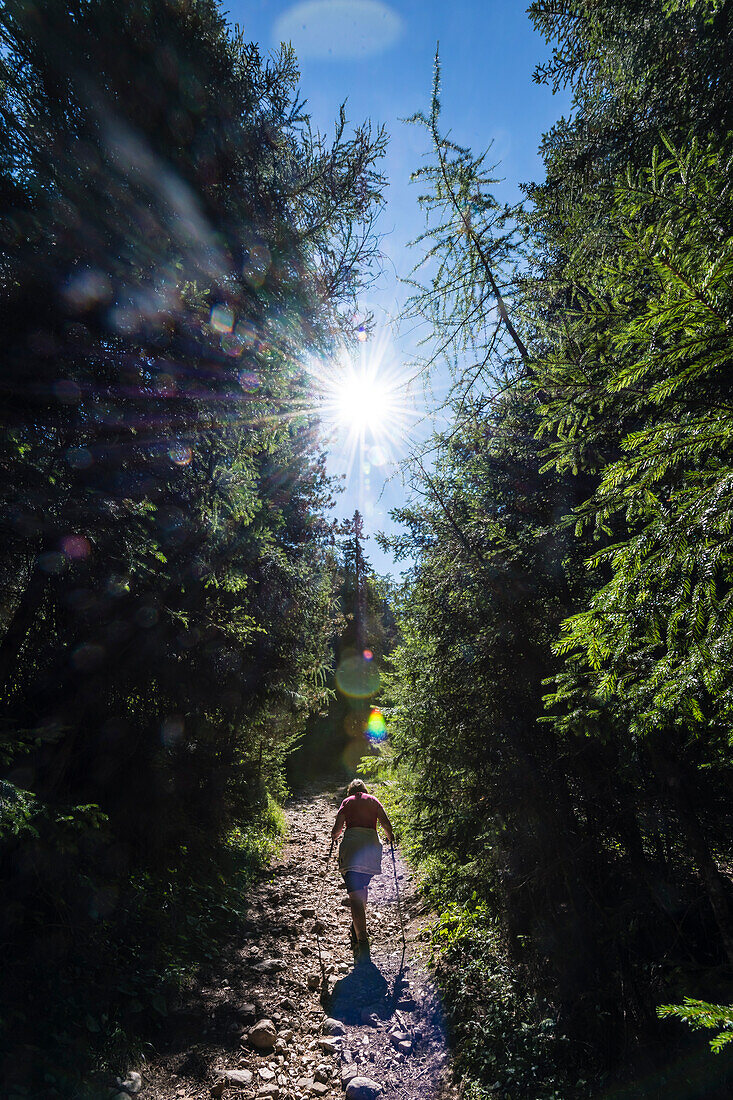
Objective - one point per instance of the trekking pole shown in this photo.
(399, 907)
(318, 906)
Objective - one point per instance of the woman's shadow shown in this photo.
(363, 991)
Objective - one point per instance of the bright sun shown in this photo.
(364, 404)
(361, 401)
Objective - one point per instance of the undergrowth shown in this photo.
(70, 1029)
(506, 1044)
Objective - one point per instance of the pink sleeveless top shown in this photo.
(360, 811)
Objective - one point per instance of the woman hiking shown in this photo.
(360, 852)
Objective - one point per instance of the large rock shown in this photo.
(263, 1035)
(362, 1088)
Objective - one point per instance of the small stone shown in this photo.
(263, 1035)
(306, 913)
(370, 1018)
(329, 1046)
(318, 927)
(269, 966)
(286, 1035)
(319, 1089)
(217, 1088)
(333, 1027)
(132, 1083)
(405, 1048)
(269, 1090)
(314, 980)
(266, 1073)
(362, 1088)
(321, 1074)
(238, 1077)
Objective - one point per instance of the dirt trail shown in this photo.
(376, 1018)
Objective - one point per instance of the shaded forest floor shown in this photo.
(376, 1017)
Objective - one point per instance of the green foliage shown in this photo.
(178, 241)
(700, 1014)
(255, 846)
(559, 702)
(656, 636)
(470, 253)
(503, 1044)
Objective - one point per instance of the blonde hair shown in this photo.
(356, 786)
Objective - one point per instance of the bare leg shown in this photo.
(358, 900)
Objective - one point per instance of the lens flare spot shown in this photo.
(357, 678)
(376, 729)
(256, 263)
(221, 319)
(378, 456)
(171, 731)
(79, 458)
(87, 657)
(368, 655)
(247, 333)
(249, 381)
(180, 454)
(166, 385)
(232, 345)
(117, 584)
(67, 391)
(51, 563)
(146, 617)
(76, 547)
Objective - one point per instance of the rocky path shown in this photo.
(273, 1022)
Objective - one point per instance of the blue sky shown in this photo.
(379, 56)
